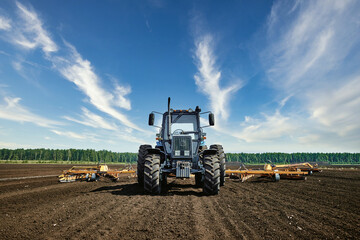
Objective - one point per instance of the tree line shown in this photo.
(91, 155)
(88, 155)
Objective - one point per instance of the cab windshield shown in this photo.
(181, 121)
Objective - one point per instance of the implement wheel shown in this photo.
(152, 182)
(222, 158)
(212, 174)
(141, 162)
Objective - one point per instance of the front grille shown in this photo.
(181, 146)
(183, 169)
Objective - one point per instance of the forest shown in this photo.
(91, 155)
(88, 155)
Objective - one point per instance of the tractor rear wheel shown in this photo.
(212, 174)
(152, 183)
(222, 158)
(140, 163)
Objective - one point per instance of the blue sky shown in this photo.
(280, 76)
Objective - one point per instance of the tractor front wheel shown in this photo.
(141, 162)
(222, 157)
(212, 174)
(152, 182)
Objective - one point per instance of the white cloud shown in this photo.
(311, 138)
(312, 55)
(338, 108)
(113, 131)
(79, 71)
(4, 53)
(5, 23)
(92, 120)
(208, 78)
(284, 101)
(111, 135)
(270, 128)
(14, 111)
(17, 66)
(31, 33)
(12, 145)
(69, 134)
(120, 100)
(129, 138)
(310, 43)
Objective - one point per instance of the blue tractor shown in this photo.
(180, 151)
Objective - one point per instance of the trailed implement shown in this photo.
(304, 167)
(270, 171)
(93, 173)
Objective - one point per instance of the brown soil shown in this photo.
(326, 206)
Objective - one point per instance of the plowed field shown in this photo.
(326, 206)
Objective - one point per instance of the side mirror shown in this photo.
(211, 119)
(151, 119)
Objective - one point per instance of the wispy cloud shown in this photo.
(69, 134)
(14, 111)
(311, 60)
(17, 66)
(312, 56)
(338, 108)
(93, 120)
(12, 145)
(269, 128)
(208, 77)
(115, 132)
(32, 34)
(5, 23)
(315, 41)
(79, 71)
(120, 99)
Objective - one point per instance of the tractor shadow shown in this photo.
(127, 189)
(134, 189)
(175, 188)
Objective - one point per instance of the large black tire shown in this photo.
(152, 183)
(222, 159)
(141, 162)
(212, 174)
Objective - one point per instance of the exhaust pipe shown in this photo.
(169, 121)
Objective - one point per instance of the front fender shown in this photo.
(154, 150)
(157, 151)
(210, 152)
